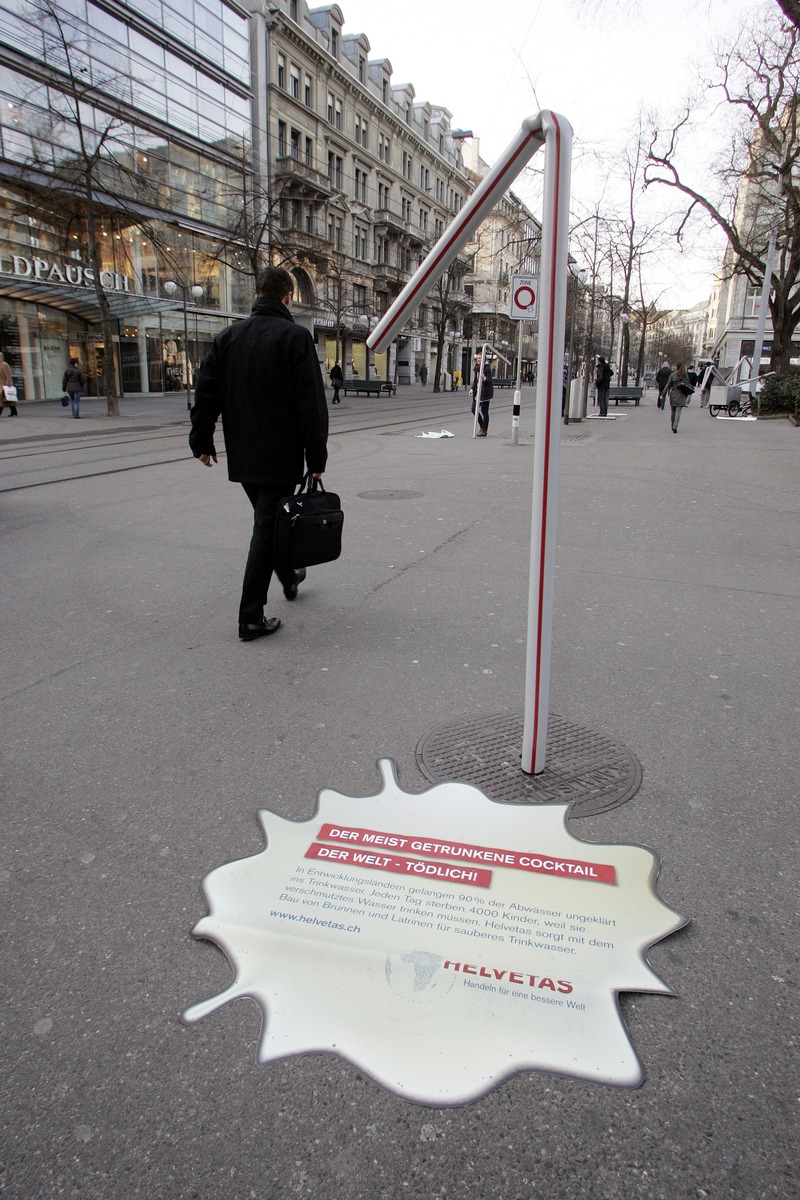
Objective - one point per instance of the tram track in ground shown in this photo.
(39, 447)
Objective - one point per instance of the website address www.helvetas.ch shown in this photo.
(284, 916)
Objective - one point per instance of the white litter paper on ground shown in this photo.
(443, 434)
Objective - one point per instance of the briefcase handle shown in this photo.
(310, 484)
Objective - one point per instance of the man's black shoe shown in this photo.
(290, 592)
(249, 633)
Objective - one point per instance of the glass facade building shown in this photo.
(151, 101)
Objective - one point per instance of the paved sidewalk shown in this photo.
(140, 737)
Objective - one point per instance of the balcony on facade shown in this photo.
(301, 178)
(387, 222)
(310, 241)
(386, 276)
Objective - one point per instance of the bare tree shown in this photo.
(759, 184)
(449, 309)
(791, 9)
(598, 8)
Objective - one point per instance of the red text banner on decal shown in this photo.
(398, 864)
(542, 864)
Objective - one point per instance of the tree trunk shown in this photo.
(109, 380)
(437, 375)
(641, 350)
(783, 325)
(625, 338)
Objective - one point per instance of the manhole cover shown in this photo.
(584, 768)
(390, 494)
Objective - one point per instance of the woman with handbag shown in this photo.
(679, 389)
(72, 384)
(8, 398)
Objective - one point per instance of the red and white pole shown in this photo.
(549, 382)
(555, 134)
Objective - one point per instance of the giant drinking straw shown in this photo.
(554, 133)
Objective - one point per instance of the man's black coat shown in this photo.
(263, 378)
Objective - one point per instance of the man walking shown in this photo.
(602, 381)
(486, 390)
(662, 379)
(263, 378)
(337, 379)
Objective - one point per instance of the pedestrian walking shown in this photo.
(487, 391)
(73, 385)
(456, 380)
(602, 381)
(423, 374)
(662, 379)
(262, 377)
(7, 399)
(706, 379)
(337, 379)
(679, 390)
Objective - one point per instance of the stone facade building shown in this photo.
(362, 177)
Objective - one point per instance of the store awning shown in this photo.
(82, 302)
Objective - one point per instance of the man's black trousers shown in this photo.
(261, 558)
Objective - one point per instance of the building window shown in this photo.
(307, 93)
(335, 169)
(753, 302)
(362, 69)
(383, 195)
(408, 164)
(424, 179)
(384, 149)
(281, 139)
(360, 252)
(295, 143)
(294, 82)
(338, 115)
(362, 131)
(359, 295)
(293, 9)
(330, 108)
(438, 228)
(309, 152)
(360, 190)
(281, 71)
(423, 220)
(406, 209)
(385, 91)
(335, 43)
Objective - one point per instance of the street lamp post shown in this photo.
(171, 287)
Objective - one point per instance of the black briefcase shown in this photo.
(308, 526)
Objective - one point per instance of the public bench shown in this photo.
(372, 387)
(625, 394)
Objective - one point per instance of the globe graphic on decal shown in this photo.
(418, 976)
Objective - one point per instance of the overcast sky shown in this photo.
(597, 62)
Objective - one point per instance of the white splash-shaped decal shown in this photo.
(439, 942)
